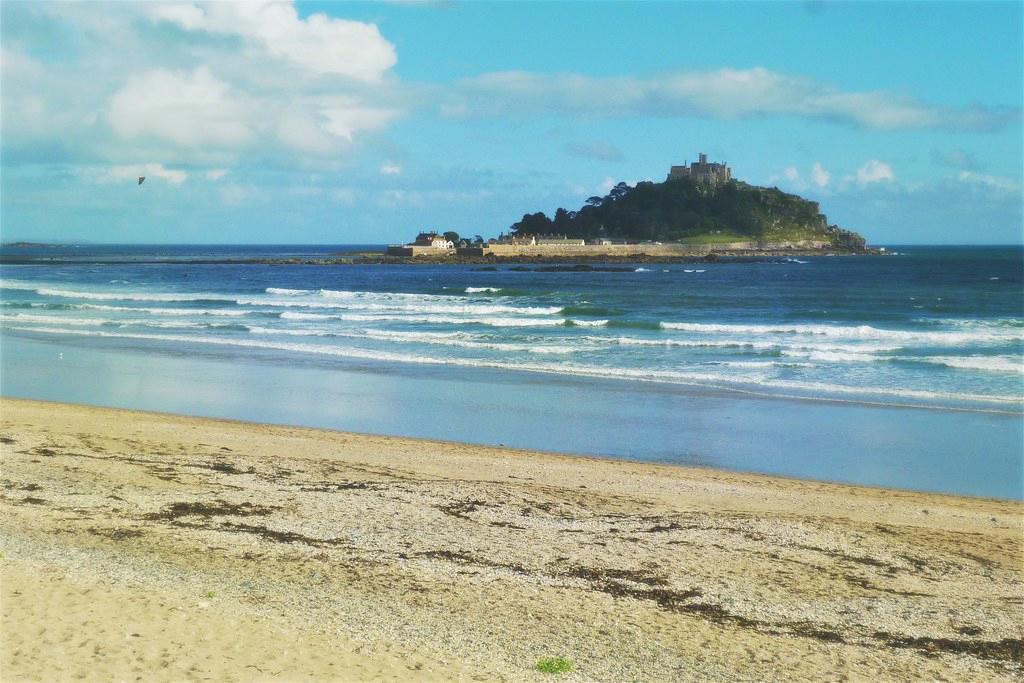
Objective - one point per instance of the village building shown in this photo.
(432, 239)
(425, 244)
(560, 240)
(534, 240)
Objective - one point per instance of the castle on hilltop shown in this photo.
(702, 172)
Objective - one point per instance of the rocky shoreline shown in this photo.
(379, 258)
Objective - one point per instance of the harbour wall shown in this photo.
(627, 250)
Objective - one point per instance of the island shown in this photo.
(699, 211)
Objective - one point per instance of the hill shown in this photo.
(686, 210)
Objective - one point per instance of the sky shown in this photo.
(346, 123)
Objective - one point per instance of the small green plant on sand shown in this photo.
(209, 594)
(555, 665)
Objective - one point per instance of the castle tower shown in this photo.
(702, 172)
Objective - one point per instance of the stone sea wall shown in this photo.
(627, 250)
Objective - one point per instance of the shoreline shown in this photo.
(373, 398)
(592, 262)
(765, 479)
(355, 557)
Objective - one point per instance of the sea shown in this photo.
(901, 370)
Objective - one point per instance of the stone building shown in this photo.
(432, 239)
(702, 172)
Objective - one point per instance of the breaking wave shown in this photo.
(758, 383)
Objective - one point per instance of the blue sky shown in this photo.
(367, 122)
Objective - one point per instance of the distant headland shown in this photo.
(700, 210)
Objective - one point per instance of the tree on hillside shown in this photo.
(682, 209)
(533, 224)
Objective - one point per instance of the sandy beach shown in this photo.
(140, 546)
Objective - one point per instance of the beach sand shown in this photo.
(148, 547)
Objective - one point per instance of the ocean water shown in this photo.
(899, 370)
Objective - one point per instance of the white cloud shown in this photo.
(216, 173)
(389, 168)
(345, 116)
(819, 175)
(999, 183)
(204, 84)
(874, 171)
(606, 185)
(722, 94)
(186, 108)
(185, 15)
(792, 177)
(301, 129)
(319, 43)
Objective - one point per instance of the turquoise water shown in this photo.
(901, 370)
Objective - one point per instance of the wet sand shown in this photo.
(139, 546)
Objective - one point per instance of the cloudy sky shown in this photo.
(335, 122)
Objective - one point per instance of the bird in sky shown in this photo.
(142, 178)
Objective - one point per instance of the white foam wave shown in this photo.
(98, 322)
(476, 290)
(228, 312)
(388, 296)
(682, 343)
(825, 356)
(19, 285)
(286, 332)
(860, 332)
(793, 349)
(589, 323)
(452, 339)
(428, 319)
(293, 315)
(757, 383)
(466, 341)
(342, 294)
(49, 319)
(746, 364)
(1002, 364)
(450, 307)
(901, 393)
(977, 323)
(130, 296)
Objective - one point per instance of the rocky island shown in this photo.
(699, 211)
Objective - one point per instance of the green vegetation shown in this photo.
(209, 594)
(683, 210)
(555, 665)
